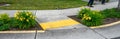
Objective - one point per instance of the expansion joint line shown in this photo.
(35, 28)
(35, 33)
(98, 33)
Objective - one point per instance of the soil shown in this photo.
(105, 21)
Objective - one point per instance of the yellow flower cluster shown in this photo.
(33, 17)
(21, 18)
(27, 20)
(85, 17)
(30, 15)
(16, 15)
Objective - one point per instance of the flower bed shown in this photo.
(93, 18)
(21, 21)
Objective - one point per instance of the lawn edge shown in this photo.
(23, 31)
(106, 25)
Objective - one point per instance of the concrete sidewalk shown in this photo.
(71, 32)
(81, 33)
(55, 15)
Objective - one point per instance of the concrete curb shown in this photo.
(107, 25)
(29, 31)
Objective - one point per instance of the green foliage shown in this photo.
(25, 20)
(82, 12)
(90, 18)
(4, 27)
(5, 18)
(42, 4)
(111, 13)
(4, 22)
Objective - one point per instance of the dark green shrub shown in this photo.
(111, 13)
(25, 20)
(4, 18)
(82, 12)
(91, 18)
(4, 22)
(4, 27)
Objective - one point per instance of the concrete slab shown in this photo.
(109, 32)
(80, 33)
(69, 12)
(51, 18)
(116, 38)
(17, 36)
(25, 36)
(12, 12)
(74, 11)
(106, 6)
(7, 36)
(43, 13)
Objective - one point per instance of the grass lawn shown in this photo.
(42, 4)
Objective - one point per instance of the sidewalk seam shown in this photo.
(98, 33)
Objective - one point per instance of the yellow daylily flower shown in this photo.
(15, 15)
(31, 16)
(84, 15)
(27, 14)
(21, 19)
(27, 20)
(86, 18)
(89, 18)
(83, 18)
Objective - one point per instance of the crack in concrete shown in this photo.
(98, 33)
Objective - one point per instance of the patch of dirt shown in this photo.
(110, 20)
(105, 21)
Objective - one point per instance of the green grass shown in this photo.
(42, 4)
(111, 13)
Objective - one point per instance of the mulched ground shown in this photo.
(105, 21)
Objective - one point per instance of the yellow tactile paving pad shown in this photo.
(58, 24)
